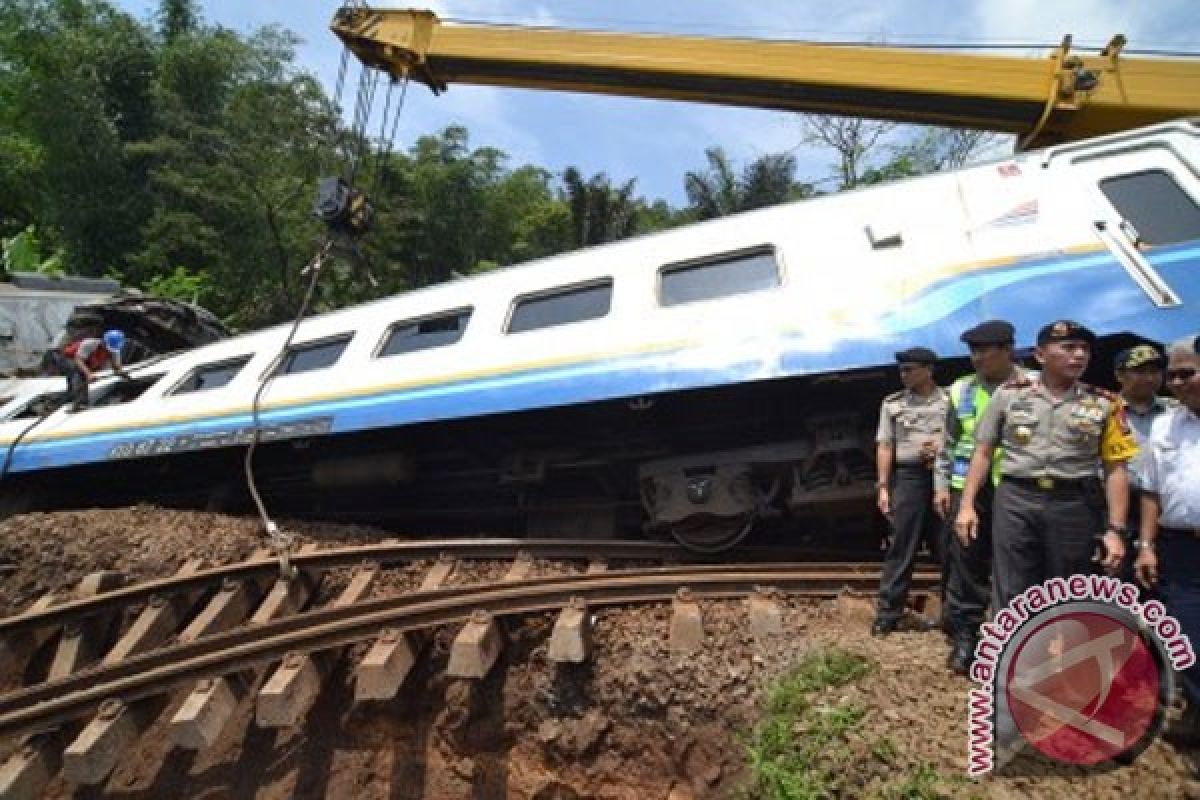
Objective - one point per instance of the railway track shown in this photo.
(90, 666)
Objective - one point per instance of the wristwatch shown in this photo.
(1118, 530)
(1142, 544)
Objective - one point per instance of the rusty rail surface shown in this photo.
(70, 610)
(47, 705)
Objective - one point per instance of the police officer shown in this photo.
(910, 434)
(1139, 372)
(969, 565)
(1049, 504)
(1171, 515)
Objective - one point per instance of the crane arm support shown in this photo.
(1060, 97)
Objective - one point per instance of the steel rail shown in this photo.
(47, 705)
(381, 553)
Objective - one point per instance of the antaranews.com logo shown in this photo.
(1077, 668)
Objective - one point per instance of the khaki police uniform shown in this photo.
(1049, 505)
(908, 421)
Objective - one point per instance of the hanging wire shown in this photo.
(12, 446)
(387, 134)
(360, 145)
(367, 84)
(281, 541)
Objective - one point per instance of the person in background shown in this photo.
(969, 564)
(81, 358)
(1139, 372)
(1170, 516)
(1049, 506)
(909, 436)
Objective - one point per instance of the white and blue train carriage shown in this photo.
(698, 380)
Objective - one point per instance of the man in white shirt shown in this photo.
(1170, 505)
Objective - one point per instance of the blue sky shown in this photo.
(657, 142)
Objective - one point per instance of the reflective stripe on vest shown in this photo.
(969, 400)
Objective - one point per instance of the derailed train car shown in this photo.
(704, 381)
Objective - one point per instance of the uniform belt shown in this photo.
(1194, 532)
(1048, 484)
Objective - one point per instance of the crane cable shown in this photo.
(281, 541)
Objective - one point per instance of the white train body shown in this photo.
(801, 292)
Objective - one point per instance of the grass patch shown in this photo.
(926, 783)
(797, 750)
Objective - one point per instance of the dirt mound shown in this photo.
(637, 722)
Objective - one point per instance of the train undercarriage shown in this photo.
(790, 458)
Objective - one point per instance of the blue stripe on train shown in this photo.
(1092, 288)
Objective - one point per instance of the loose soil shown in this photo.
(637, 722)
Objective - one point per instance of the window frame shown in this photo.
(273, 371)
(174, 391)
(388, 332)
(564, 289)
(1150, 170)
(21, 411)
(114, 386)
(714, 259)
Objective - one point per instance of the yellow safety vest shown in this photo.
(969, 400)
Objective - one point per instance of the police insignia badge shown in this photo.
(1060, 328)
(1023, 434)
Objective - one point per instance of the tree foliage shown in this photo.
(719, 190)
(869, 152)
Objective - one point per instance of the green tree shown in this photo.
(600, 212)
(177, 18)
(233, 169)
(76, 83)
(869, 152)
(719, 190)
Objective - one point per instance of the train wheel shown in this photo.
(713, 535)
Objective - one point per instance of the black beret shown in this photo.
(1140, 356)
(916, 355)
(994, 331)
(1064, 330)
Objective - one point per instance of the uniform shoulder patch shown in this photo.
(1098, 391)
(1017, 382)
(894, 396)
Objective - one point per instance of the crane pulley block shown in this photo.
(343, 208)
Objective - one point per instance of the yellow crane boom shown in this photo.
(1062, 96)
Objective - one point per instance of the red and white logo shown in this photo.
(1077, 668)
(1083, 686)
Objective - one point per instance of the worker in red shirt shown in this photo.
(82, 358)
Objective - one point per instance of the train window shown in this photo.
(314, 355)
(41, 405)
(561, 306)
(422, 334)
(119, 392)
(211, 376)
(1160, 210)
(720, 276)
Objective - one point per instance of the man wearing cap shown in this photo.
(969, 564)
(1140, 374)
(86, 355)
(910, 433)
(1170, 475)
(1049, 504)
